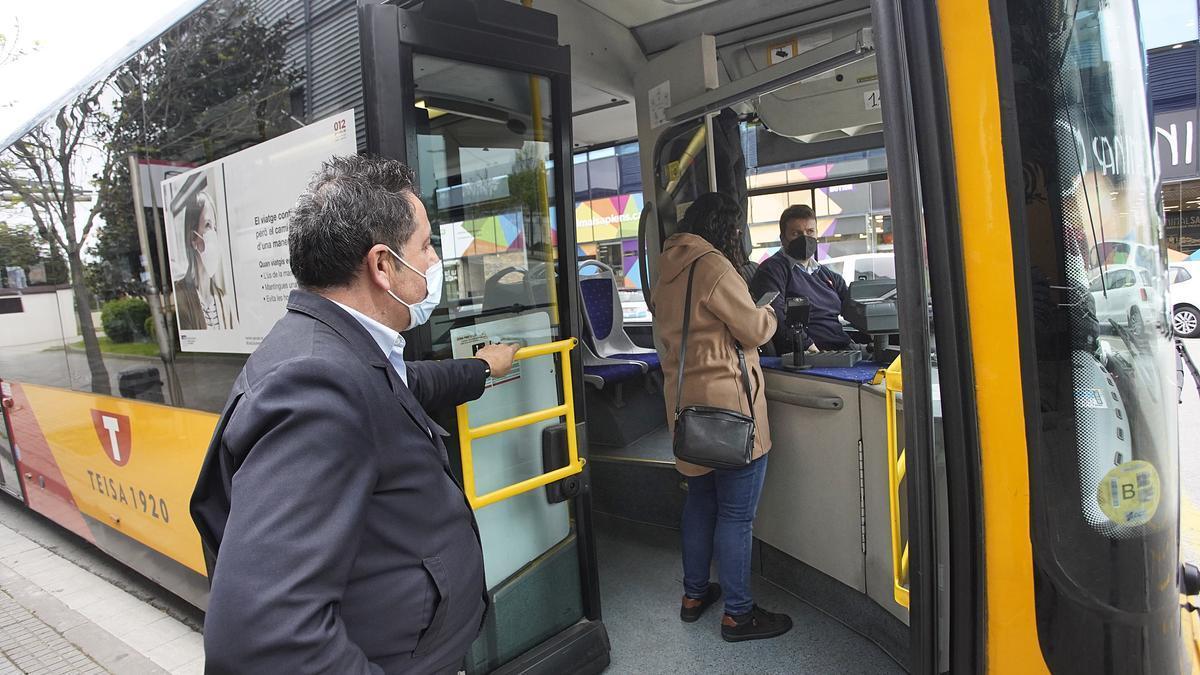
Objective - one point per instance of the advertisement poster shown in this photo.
(227, 230)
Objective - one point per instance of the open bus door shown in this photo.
(10, 482)
(478, 103)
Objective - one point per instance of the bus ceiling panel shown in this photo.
(640, 12)
(838, 103)
(604, 54)
(739, 20)
(603, 125)
(838, 54)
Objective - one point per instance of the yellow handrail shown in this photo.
(467, 435)
(897, 470)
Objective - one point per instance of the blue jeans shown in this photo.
(720, 510)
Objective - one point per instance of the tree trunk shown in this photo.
(83, 310)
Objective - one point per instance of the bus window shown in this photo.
(879, 267)
(1101, 403)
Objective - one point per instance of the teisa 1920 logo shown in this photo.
(115, 435)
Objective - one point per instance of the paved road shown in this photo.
(67, 608)
(66, 545)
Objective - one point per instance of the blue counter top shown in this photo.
(860, 374)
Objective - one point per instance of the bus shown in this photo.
(992, 487)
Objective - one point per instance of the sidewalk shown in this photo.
(56, 617)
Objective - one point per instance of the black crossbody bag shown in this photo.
(712, 437)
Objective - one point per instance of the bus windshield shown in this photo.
(1103, 461)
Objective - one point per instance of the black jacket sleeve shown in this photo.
(305, 472)
(438, 385)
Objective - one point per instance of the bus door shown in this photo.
(479, 106)
(9, 480)
(816, 113)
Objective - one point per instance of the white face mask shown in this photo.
(419, 312)
(211, 256)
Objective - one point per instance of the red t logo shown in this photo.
(114, 433)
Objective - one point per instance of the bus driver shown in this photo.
(795, 272)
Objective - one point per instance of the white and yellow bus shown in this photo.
(1007, 500)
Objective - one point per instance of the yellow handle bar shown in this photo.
(467, 434)
(897, 471)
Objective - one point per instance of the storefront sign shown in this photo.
(1175, 144)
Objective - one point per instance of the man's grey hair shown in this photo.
(351, 204)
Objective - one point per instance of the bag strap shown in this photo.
(687, 320)
(745, 380)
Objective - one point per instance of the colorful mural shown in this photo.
(608, 218)
(490, 234)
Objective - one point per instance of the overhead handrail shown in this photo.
(467, 434)
(897, 471)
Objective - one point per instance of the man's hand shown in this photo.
(812, 349)
(498, 357)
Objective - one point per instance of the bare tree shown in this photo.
(46, 169)
(11, 50)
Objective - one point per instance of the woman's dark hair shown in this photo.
(716, 218)
(191, 228)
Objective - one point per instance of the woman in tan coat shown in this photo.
(721, 503)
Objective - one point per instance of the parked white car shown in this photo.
(1185, 297)
(861, 266)
(633, 306)
(1124, 294)
(1117, 253)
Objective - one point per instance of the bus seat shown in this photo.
(602, 371)
(605, 319)
(619, 414)
(612, 373)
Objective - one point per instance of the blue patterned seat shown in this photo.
(604, 318)
(600, 372)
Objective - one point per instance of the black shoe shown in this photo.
(691, 614)
(757, 624)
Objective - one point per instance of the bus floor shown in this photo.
(641, 586)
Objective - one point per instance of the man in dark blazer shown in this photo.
(339, 541)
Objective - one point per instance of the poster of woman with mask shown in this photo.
(227, 225)
(200, 253)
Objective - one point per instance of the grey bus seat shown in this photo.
(604, 318)
(601, 372)
(619, 414)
